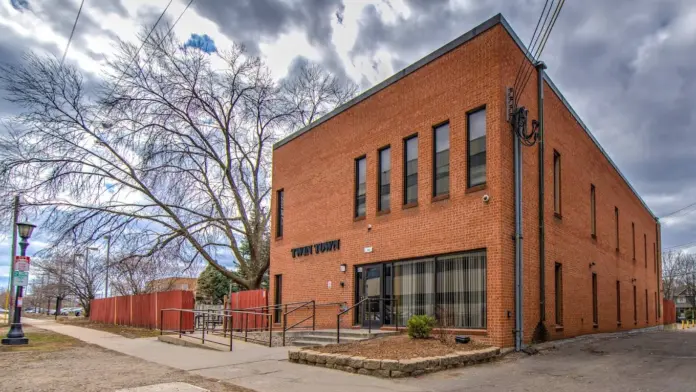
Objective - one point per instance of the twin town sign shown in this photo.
(328, 246)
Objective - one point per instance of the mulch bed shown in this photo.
(400, 347)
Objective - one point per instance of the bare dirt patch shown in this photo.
(123, 330)
(87, 368)
(400, 347)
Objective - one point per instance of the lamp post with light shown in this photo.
(16, 334)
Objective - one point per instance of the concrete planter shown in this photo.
(390, 368)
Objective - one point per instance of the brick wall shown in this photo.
(316, 172)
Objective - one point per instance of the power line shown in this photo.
(138, 51)
(540, 45)
(531, 40)
(79, 11)
(678, 211)
(681, 246)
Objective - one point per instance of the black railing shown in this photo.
(205, 318)
(313, 316)
(369, 314)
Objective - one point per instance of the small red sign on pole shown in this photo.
(22, 263)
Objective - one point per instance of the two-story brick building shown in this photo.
(406, 195)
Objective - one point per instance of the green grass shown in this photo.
(43, 341)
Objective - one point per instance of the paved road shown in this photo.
(655, 361)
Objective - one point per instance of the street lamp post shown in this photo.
(16, 334)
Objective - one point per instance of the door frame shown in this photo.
(360, 282)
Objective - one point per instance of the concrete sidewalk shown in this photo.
(251, 366)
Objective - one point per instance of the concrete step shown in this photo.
(345, 332)
(304, 343)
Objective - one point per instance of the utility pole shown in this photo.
(108, 246)
(13, 252)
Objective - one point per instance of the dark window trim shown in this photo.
(433, 160)
(280, 220)
(633, 235)
(558, 272)
(380, 211)
(277, 296)
(557, 158)
(356, 187)
(618, 302)
(593, 211)
(595, 300)
(647, 307)
(468, 146)
(635, 304)
(404, 201)
(616, 227)
(645, 249)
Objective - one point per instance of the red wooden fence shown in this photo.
(144, 310)
(245, 300)
(669, 312)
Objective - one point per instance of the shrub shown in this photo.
(419, 327)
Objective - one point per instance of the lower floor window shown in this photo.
(451, 288)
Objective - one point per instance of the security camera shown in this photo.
(369, 227)
(486, 198)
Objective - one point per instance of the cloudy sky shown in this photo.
(627, 66)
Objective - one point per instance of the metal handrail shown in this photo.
(369, 323)
(226, 314)
(312, 316)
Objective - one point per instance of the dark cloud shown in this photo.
(250, 21)
(626, 66)
(112, 6)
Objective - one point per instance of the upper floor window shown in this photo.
(280, 202)
(476, 148)
(633, 240)
(360, 186)
(645, 249)
(557, 182)
(593, 212)
(441, 160)
(384, 180)
(411, 170)
(616, 226)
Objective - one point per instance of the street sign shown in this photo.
(21, 278)
(22, 263)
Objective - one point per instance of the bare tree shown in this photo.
(172, 152)
(75, 274)
(672, 270)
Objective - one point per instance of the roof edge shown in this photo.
(462, 39)
(448, 47)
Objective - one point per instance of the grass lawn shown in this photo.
(41, 340)
(401, 347)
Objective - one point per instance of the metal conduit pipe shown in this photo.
(541, 333)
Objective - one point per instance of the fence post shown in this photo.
(161, 322)
(369, 315)
(285, 323)
(179, 323)
(270, 330)
(314, 315)
(246, 326)
(231, 330)
(338, 328)
(205, 319)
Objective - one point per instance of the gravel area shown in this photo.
(85, 368)
(400, 347)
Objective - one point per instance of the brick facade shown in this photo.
(315, 170)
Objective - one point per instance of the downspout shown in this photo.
(518, 243)
(541, 333)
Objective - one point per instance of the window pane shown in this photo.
(411, 171)
(414, 288)
(441, 164)
(361, 185)
(593, 217)
(556, 182)
(384, 179)
(476, 123)
(461, 286)
(279, 227)
(559, 294)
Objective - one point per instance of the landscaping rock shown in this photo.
(342, 360)
(390, 364)
(381, 373)
(398, 374)
(311, 357)
(331, 359)
(302, 355)
(372, 364)
(409, 365)
(417, 373)
(356, 362)
(349, 369)
(294, 355)
(365, 372)
(320, 358)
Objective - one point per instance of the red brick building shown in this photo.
(406, 193)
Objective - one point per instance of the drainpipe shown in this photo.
(518, 243)
(541, 333)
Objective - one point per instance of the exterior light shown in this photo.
(25, 230)
(343, 268)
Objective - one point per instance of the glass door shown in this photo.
(372, 309)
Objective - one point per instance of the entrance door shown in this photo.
(372, 310)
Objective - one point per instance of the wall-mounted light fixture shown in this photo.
(343, 268)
